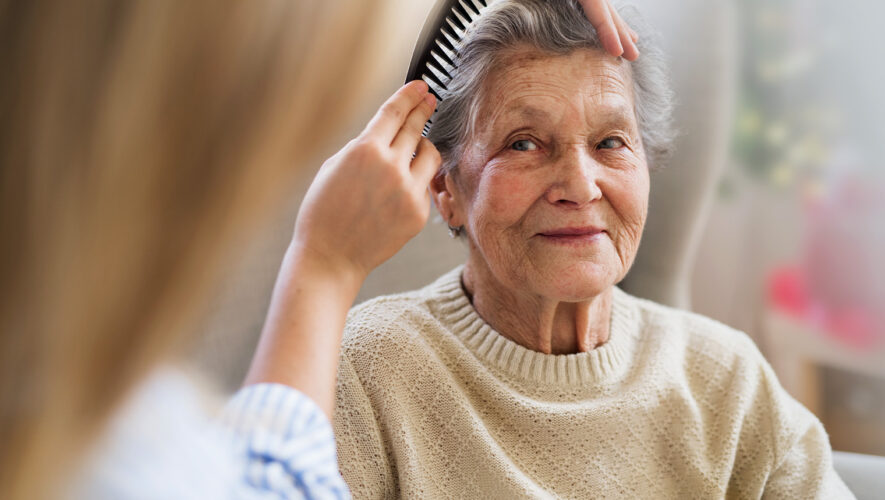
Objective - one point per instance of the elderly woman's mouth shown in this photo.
(573, 235)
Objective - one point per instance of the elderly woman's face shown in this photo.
(553, 187)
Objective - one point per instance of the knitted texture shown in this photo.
(433, 403)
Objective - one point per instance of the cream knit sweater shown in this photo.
(433, 403)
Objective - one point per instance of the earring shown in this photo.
(454, 232)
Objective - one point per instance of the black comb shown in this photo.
(436, 53)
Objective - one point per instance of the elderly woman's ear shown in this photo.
(447, 198)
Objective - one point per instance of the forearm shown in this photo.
(300, 342)
(365, 203)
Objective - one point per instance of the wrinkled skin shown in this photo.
(556, 149)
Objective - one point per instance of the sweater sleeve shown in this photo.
(362, 457)
(286, 443)
(804, 465)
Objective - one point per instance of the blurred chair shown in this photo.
(700, 38)
(864, 474)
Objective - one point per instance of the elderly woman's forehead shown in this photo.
(587, 69)
(523, 80)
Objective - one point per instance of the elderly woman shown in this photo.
(527, 372)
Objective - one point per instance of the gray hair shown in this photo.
(558, 27)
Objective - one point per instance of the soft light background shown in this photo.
(791, 238)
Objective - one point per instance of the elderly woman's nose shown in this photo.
(575, 179)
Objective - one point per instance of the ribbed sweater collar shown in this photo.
(606, 362)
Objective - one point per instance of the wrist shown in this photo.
(318, 270)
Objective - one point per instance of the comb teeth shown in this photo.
(444, 61)
(472, 9)
(449, 40)
(460, 12)
(436, 55)
(435, 86)
(457, 26)
(442, 75)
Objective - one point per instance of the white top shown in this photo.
(433, 403)
(270, 441)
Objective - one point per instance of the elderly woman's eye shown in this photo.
(611, 143)
(524, 145)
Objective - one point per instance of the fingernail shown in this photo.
(430, 99)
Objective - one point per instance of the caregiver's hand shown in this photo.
(370, 198)
(617, 38)
(365, 203)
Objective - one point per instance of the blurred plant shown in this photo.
(783, 123)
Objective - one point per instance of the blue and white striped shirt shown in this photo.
(270, 441)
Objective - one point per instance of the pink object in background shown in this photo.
(855, 326)
(840, 285)
(845, 244)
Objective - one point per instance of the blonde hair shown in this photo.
(136, 139)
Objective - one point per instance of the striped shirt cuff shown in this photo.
(287, 440)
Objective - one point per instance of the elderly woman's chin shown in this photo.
(576, 271)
